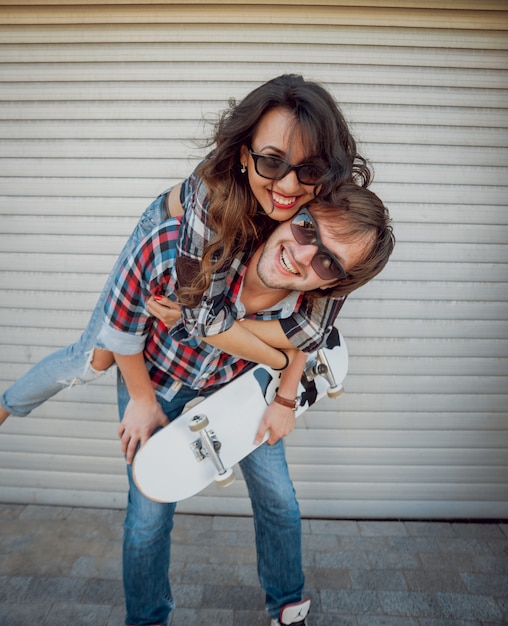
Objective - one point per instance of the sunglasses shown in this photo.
(305, 231)
(275, 168)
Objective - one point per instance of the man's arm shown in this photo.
(280, 420)
(143, 414)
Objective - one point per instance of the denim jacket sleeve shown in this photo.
(213, 314)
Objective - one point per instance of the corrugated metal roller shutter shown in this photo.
(99, 108)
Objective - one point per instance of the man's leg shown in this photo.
(277, 524)
(147, 538)
(146, 556)
(146, 549)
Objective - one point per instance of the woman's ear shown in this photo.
(244, 157)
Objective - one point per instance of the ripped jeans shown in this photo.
(72, 365)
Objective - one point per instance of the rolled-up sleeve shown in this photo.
(121, 342)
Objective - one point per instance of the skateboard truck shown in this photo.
(208, 446)
(320, 367)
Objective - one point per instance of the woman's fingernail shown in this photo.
(157, 298)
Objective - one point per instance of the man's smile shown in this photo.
(286, 264)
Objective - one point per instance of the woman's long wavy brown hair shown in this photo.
(233, 211)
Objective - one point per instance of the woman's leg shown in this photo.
(84, 360)
(277, 524)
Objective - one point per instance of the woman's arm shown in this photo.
(269, 331)
(241, 342)
(306, 329)
(238, 340)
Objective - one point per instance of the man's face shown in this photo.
(286, 264)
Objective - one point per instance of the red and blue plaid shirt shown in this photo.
(173, 354)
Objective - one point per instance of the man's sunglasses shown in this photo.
(275, 168)
(305, 231)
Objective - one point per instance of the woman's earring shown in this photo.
(244, 168)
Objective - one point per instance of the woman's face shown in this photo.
(276, 135)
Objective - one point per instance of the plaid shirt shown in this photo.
(305, 328)
(172, 355)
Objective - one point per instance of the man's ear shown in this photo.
(330, 285)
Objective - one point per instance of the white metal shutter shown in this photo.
(99, 108)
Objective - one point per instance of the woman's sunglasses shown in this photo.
(274, 168)
(305, 231)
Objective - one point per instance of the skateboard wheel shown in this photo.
(335, 392)
(226, 479)
(198, 422)
(315, 369)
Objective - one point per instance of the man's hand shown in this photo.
(164, 309)
(278, 420)
(139, 422)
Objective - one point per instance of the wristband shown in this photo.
(290, 404)
(279, 369)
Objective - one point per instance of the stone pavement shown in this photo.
(62, 566)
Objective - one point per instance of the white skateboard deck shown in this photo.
(183, 458)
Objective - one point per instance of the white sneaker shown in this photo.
(293, 614)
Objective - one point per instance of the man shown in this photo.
(310, 261)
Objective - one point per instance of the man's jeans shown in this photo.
(71, 365)
(147, 528)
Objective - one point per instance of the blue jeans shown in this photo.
(71, 365)
(148, 525)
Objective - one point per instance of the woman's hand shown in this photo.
(164, 309)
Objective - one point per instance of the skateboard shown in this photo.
(206, 441)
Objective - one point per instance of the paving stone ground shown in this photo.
(62, 566)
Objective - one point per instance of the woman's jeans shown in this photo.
(148, 524)
(72, 365)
